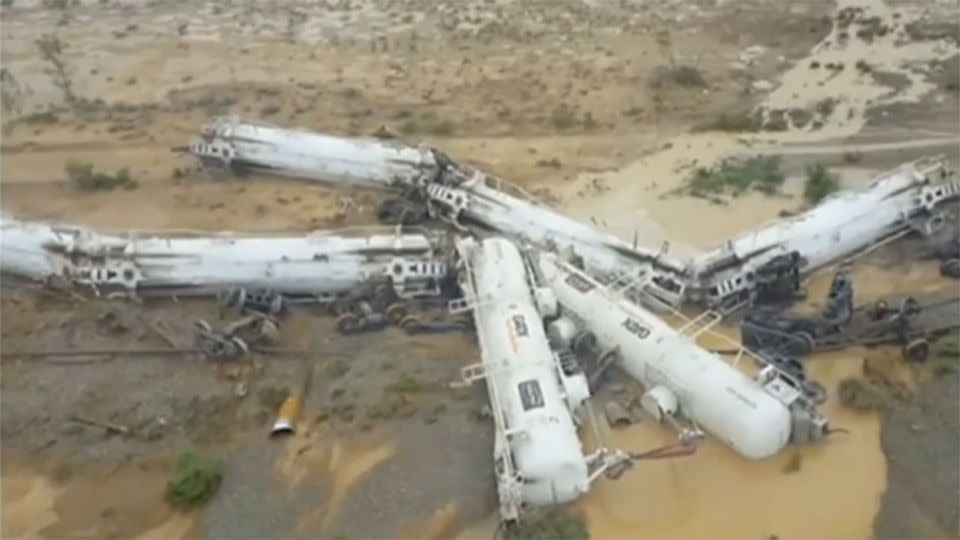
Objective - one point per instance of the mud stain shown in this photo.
(92, 501)
(443, 524)
(28, 504)
(348, 464)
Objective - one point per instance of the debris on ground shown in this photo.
(617, 415)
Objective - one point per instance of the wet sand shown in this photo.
(718, 494)
(638, 197)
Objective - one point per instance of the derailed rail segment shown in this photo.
(771, 262)
(318, 265)
(536, 393)
(756, 417)
(911, 323)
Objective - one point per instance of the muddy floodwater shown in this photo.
(829, 490)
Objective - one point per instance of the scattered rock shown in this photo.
(484, 413)
(762, 86)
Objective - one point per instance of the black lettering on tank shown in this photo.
(530, 394)
(741, 397)
(520, 325)
(636, 328)
(579, 283)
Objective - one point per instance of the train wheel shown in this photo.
(336, 307)
(909, 306)
(585, 343)
(209, 347)
(238, 347)
(410, 325)
(950, 268)
(879, 310)
(815, 391)
(347, 323)
(383, 295)
(917, 350)
(396, 313)
(803, 343)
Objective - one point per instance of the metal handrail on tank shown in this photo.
(510, 468)
(735, 345)
(783, 222)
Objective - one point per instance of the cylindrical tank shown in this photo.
(22, 249)
(369, 162)
(724, 401)
(178, 263)
(546, 448)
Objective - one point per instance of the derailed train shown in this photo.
(321, 265)
(537, 390)
(457, 194)
(755, 417)
(539, 458)
(766, 264)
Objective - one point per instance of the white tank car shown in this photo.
(161, 263)
(756, 420)
(539, 457)
(452, 188)
(843, 225)
(518, 216)
(251, 147)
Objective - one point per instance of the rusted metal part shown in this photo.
(290, 410)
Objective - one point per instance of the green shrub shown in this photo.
(731, 123)
(196, 480)
(820, 183)
(553, 525)
(563, 117)
(84, 177)
(736, 176)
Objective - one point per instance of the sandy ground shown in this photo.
(557, 96)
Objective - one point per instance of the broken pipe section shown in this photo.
(290, 410)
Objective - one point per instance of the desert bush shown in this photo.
(86, 178)
(563, 117)
(820, 183)
(678, 75)
(731, 123)
(736, 176)
(196, 480)
(860, 395)
(552, 525)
